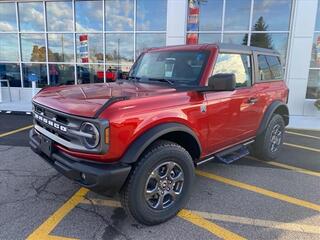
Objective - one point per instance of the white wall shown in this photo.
(303, 23)
(176, 21)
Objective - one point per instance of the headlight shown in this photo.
(91, 136)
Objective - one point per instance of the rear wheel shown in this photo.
(268, 144)
(160, 184)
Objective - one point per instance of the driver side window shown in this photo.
(239, 64)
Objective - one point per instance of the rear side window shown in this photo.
(239, 64)
(269, 68)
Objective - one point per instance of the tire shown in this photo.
(151, 168)
(267, 146)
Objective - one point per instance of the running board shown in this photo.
(229, 155)
(232, 154)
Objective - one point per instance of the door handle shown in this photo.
(252, 100)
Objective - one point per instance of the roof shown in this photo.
(223, 47)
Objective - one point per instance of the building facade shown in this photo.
(76, 41)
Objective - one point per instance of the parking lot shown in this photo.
(249, 199)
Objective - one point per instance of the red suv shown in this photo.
(144, 136)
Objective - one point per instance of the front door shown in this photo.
(232, 114)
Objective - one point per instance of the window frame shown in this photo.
(257, 73)
(249, 53)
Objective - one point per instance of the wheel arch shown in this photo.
(277, 107)
(175, 132)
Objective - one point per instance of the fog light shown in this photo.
(83, 176)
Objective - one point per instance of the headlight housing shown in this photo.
(90, 135)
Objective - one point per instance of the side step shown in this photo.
(232, 154)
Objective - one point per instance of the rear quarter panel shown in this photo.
(269, 92)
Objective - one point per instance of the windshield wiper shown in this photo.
(161, 80)
(134, 78)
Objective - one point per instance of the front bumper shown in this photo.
(103, 178)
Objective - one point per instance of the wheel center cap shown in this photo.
(165, 184)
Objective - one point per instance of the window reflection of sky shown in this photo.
(237, 14)
(8, 17)
(151, 15)
(119, 15)
(59, 16)
(276, 13)
(31, 16)
(9, 47)
(89, 16)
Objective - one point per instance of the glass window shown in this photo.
(119, 48)
(209, 37)
(205, 15)
(271, 15)
(34, 71)
(8, 17)
(315, 54)
(149, 40)
(89, 48)
(119, 15)
(60, 47)
(178, 67)
(61, 74)
(313, 88)
(276, 41)
(275, 67)
(11, 72)
(89, 16)
(90, 73)
(31, 16)
(59, 16)
(235, 38)
(237, 15)
(9, 47)
(239, 64)
(152, 15)
(33, 47)
(264, 69)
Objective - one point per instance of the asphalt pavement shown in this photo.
(249, 199)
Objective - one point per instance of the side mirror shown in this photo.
(222, 82)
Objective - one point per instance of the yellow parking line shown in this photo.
(15, 131)
(262, 191)
(185, 214)
(43, 231)
(302, 135)
(295, 227)
(302, 147)
(285, 166)
(209, 226)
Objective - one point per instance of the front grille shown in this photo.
(64, 129)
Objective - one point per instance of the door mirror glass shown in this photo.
(222, 82)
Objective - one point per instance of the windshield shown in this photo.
(173, 67)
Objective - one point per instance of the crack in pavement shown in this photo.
(112, 226)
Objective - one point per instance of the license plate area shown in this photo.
(46, 145)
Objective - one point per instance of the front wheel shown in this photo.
(160, 184)
(268, 144)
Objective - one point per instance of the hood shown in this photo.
(85, 100)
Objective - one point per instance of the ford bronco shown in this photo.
(180, 106)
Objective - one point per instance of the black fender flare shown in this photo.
(272, 108)
(138, 146)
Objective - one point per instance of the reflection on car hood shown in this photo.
(85, 100)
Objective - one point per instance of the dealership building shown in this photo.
(48, 43)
